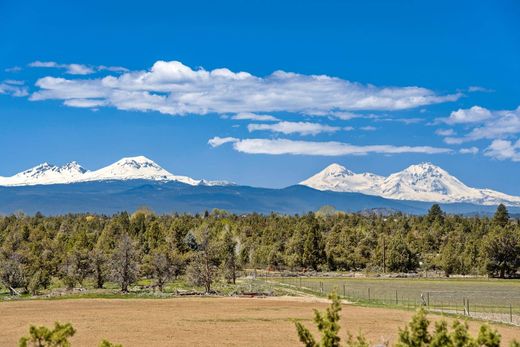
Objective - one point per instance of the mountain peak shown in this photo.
(136, 161)
(73, 166)
(419, 182)
(128, 168)
(337, 169)
(338, 178)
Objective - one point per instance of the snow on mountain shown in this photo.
(421, 182)
(131, 168)
(46, 174)
(337, 178)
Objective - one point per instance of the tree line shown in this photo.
(213, 246)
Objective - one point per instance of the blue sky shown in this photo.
(373, 85)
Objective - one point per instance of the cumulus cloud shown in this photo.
(475, 114)
(368, 128)
(302, 128)
(331, 148)
(173, 88)
(77, 69)
(504, 150)
(13, 88)
(255, 117)
(495, 125)
(470, 150)
(219, 141)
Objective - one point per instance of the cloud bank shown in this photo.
(331, 148)
(173, 88)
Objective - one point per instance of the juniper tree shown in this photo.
(45, 337)
(124, 263)
(501, 217)
(203, 267)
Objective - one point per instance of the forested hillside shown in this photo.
(214, 246)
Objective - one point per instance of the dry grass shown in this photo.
(196, 321)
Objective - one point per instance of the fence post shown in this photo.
(344, 292)
(300, 283)
(428, 299)
(368, 294)
(510, 313)
(321, 287)
(396, 299)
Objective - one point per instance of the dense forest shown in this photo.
(213, 246)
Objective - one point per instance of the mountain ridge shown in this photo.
(128, 168)
(419, 182)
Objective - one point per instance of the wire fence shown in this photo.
(480, 304)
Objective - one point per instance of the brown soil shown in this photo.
(197, 321)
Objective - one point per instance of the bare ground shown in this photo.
(198, 321)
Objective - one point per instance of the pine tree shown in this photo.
(501, 217)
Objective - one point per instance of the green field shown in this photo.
(481, 298)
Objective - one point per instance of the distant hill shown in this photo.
(110, 196)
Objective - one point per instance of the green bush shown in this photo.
(416, 334)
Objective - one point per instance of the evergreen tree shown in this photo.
(313, 248)
(501, 217)
(435, 214)
(124, 263)
(45, 337)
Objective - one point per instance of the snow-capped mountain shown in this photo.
(421, 182)
(46, 174)
(337, 178)
(131, 168)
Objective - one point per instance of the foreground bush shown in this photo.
(57, 337)
(415, 334)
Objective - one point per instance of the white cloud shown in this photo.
(368, 128)
(175, 89)
(475, 114)
(84, 103)
(406, 121)
(77, 69)
(302, 128)
(255, 117)
(504, 150)
(473, 89)
(13, 88)
(13, 69)
(445, 132)
(504, 123)
(498, 125)
(219, 141)
(112, 68)
(348, 128)
(332, 148)
(470, 150)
